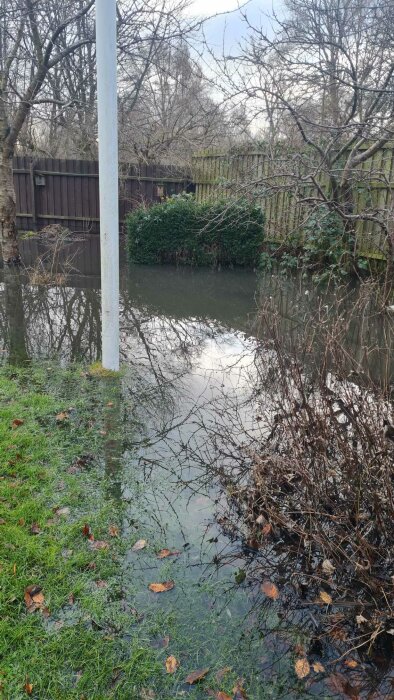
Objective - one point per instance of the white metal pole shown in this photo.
(108, 167)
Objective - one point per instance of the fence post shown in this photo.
(33, 195)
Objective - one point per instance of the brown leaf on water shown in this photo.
(270, 590)
(318, 667)
(16, 423)
(160, 643)
(62, 416)
(34, 598)
(302, 668)
(341, 686)
(196, 676)
(328, 567)
(161, 587)
(325, 597)
(172, 664)
(140, 544)
(338, 633)
(113, 531)
(99, 544)
(222, 672)
(266, 530)
(168, 553)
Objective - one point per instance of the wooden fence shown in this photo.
(53, 191)
(278, 185)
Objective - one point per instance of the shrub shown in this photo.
(184, 231)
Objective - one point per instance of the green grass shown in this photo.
(83, 644)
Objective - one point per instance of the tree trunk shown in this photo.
(16, 336)
(8, 233)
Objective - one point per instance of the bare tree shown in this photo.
(324, 80)
(34, 38)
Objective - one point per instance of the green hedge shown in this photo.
(184, 231)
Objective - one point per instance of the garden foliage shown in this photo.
(184, 231)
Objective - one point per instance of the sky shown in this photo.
(231, 25)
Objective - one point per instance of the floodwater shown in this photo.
(189, 342)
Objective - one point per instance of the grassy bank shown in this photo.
(59, 639)
(78, 620)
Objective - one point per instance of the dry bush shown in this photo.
(55, 263)
(313, 489)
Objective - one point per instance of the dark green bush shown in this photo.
(184, 231)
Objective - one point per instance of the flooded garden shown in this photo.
(186, 497)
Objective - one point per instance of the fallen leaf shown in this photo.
(266, 530)
(99, 544)
(62, 416)
(110, 404)
(28, 688)
(35, 529)
(351, 663)
(260, 520)
(86, 530)
(341, 686)
(222, 696)
(16, 423)
(270, 590)
(196, 676)
(161, 587)
(318, 667)
(168, 553)
(299, 650)
(21, 522)
(161, 643)
(302, 668)
(34, 598)
(222, 672)
(71, 599)
(62, 511)
(172, 664)
(2, 521)
(325, 597)
(328, 567)
(14, 569)
(101, 584)
(360, 619)
(239, 691)
(140, 544)
(113, 531)
(147, 694)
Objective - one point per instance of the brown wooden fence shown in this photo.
(274, 183)
(53, 191)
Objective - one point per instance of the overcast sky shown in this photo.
(232, 24)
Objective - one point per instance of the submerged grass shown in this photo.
(94, 633)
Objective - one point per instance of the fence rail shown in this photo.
(281, 192)
(54, 191)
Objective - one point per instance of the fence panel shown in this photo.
(217, 174)
(53, 191)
